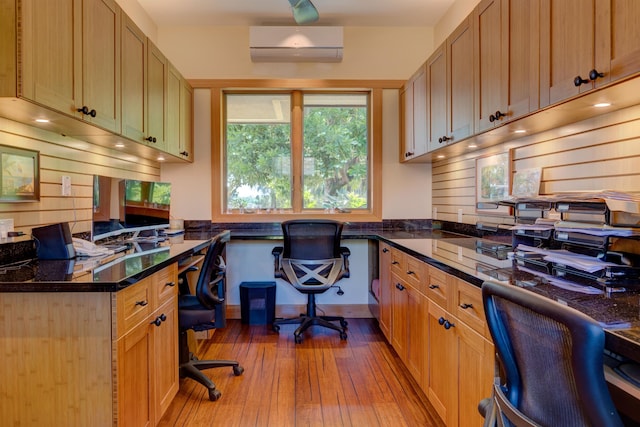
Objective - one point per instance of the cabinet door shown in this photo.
(134, 69)
(475, 374)
(488, 64)
(566, 48)
(385, 302)
(406, 103)
(460, 86)
(174, 83)
(134, 374)
(417, 306)
(157, 70)
(101, 63)
(51, 50)
(165, 357)
(437, 98)
(399, 319)
(419, 108)
(443, 364)
(617, 39)
(186, 121)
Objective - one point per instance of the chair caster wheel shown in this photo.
(214, 394)
(343, 323)
(238, 370)
(343, 336)
(275, 328)
(297, 339)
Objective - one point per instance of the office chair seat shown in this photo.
(312, 261)
(202, 311)
(551, 357)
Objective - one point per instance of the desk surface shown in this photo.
(98, 274)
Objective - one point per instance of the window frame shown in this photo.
(218, 155)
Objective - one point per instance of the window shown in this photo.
(297, 152)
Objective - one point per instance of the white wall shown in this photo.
(257, 254)
(369, 53)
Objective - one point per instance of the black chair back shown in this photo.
(311, 239)
(211, 287)
(552, 357)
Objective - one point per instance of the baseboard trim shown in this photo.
(353, 311)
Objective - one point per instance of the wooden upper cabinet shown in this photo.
(174, 83)
(157, 73)
(101, 63)
(414, 116)
(134, 69)
(186, 121)
(460, 118)
(567, 35)
(51, 50)
(505, 62)
(436, 70)
(617, 39)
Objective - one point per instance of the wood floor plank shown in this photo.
(324, 381)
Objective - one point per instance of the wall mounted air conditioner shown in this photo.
(295, 44)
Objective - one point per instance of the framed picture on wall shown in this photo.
(19, 175)
(492, 183)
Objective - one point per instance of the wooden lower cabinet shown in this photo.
(438, 330)
(146, 376)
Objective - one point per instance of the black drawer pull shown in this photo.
(465, 306)
(142, 303)
(434, 286)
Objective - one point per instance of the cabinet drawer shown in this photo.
(416, 274)
(469, 308)
(397, 262)
(165, 284)
(439, 287)
(134, 304)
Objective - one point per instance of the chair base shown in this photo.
(307, 321)
(191, 367)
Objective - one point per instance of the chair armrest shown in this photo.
(277, 255)
(345, 252)
(183, 284)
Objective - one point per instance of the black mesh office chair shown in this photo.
(551, 357)
(202, 311)
(311, 260)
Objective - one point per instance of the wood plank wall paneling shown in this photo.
(596, 154)
(80, 160)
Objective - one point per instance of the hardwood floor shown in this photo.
(323, 381)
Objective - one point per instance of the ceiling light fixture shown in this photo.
(602, 104)
(42, 120)
(120, 144)
(520, 131)
(304, 12)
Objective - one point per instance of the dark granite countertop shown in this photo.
(98, 274)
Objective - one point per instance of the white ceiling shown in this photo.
(405, 13)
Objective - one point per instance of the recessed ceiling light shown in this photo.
(160, 158)
(520, 131)
(42, 120)
(119, 144)
(440, 156)
(473, 146)
(602, 104)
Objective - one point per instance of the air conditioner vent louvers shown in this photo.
(296, 44)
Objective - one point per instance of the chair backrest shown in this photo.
(211, 288)
(552, 357)
(311, 239)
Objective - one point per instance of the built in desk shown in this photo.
(92, 342)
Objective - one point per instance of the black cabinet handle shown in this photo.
(151, 139)
(142, 303)
(185, 153)
(444, 139)
(85, 110)
(172, 284)
(394, 263)
(158, 320)
(578, 81)
(466, 306)
(411, 272)
(400, 287)
(594, 74)
(497, 116)
(433, 286)
(441, 320)
(408, 154)
(385, 250)
(447, 325)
